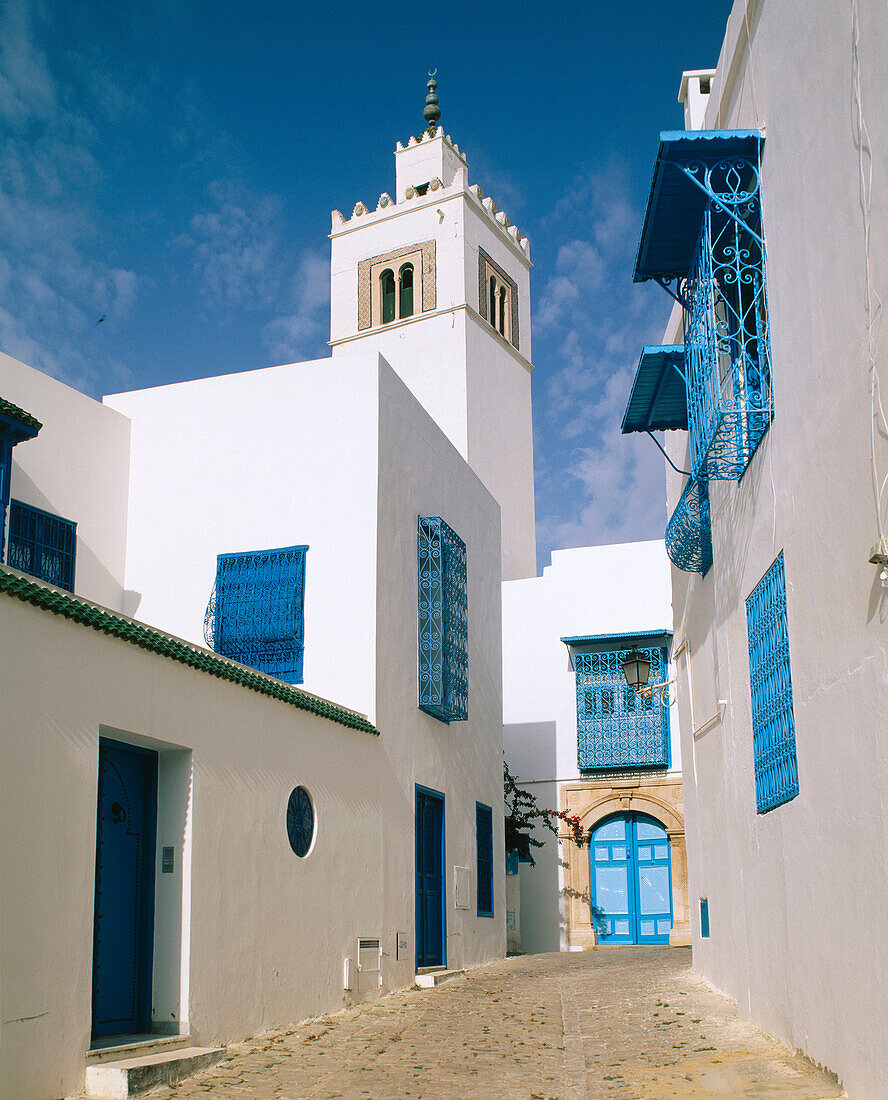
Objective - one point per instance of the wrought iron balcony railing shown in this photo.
(688, 534)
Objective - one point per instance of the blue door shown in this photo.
(631, 880)
(430, 918)
(124, 915)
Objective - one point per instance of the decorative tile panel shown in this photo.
(770, 681)
(617, 727)
(483, 262)
(443, 621)
(429, 279)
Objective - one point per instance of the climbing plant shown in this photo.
(524, 814)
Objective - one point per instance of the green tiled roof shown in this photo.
(8, 409)
(146, 637)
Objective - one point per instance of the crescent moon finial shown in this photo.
(432, 111)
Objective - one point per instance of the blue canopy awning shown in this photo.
(676, 203)
(658, 401)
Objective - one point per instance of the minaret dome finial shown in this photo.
(432, 111)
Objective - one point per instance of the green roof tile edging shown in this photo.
(60, 603)
(13, 411)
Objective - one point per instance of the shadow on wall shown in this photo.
(530, 749)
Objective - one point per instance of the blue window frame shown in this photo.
(617, 727)
(484, 849)
(770, 681)
(257, 610)
(42, 544)
(443, 621)
(703, 233)
(704, 918)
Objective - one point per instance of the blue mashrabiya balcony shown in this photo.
(702, 241)
(658, 402)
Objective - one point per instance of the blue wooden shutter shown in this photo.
(259, 610)
(484, 849)
(42, 544)
(443, 621)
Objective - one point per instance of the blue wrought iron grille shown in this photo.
(617, 727)
(42, 544)
(256, 612)
(688, 534)
(727, 349)
(443, 621)
(484, 848)
(770, 681)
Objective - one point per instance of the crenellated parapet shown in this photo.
(431, 168)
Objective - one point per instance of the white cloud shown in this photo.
(594, 485)
(53, 282)
(300, 333)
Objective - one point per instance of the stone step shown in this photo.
(133, 1046)
(428, 978)
(128, 1076)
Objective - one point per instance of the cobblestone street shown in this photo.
(622, 1023)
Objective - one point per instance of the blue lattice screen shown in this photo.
(688, 533)
(617, 727)
(42, 544)
(727, 349)
(443, 621)
(484, 848)
(256, 614)
(770, 681)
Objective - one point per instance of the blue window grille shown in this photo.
(617, 727)
(727, 349)
(443, 621)
(484, 848)
(773, 724)
(42, 544)
(256, 611)
(688, 533)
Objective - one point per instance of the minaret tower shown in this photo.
(437, 279)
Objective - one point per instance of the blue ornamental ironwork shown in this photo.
(727, 348)
(300, 821)
(616, 726)
(256, 612)
(443, 621)
(42, 544)
(770, 681)
(688, 534)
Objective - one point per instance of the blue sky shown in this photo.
(171, 167)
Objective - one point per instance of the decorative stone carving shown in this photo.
(477, 192)
(337, 218)
(435, 183)
(359, 209)
(429, 278)
(410, 192)
(384, 200)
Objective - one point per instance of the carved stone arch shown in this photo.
(631, 802)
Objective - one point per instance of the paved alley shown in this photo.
(627, 1023)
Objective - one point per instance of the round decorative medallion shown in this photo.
(300, 821)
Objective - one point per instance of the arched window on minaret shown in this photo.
(387, 295)
(492, 317)
(405, 289)
(502, 312)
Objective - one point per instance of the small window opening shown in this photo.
(405, 280)
(502, 311)
(492, 301)
(705, 84)
(421, 188)
(387, 290)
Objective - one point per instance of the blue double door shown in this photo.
(430, 896)
(631, 878)
(124, 905)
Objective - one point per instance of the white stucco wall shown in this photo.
(588, 591)
(77, 468)
(797, 896)
(284, 456)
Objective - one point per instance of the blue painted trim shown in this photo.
(485, 815)
(704, 918)
(429, 792)
(589, 639)
(146, 946)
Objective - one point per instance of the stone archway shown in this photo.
(661, 798)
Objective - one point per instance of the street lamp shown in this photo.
(637, 669)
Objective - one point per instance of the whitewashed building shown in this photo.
(768, 221)
(197, 843)
(582, 741)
